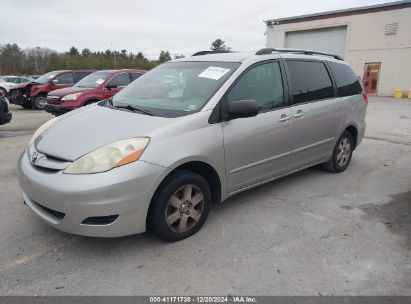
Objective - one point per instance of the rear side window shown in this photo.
(347, 82)
(309, 81)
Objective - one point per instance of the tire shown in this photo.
(39, 102)
(3, 92)
(342, 154)
(175, 213)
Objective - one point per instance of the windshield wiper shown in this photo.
(134, 109)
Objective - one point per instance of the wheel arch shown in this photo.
(354, 133)
(205, 170)
(90, 100)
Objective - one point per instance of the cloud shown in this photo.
(180, 26)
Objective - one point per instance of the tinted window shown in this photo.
(347, 82)
(66, 78)
(120, 80)
(134, 76)
(263, 84)
(81, 75)
(309, 80)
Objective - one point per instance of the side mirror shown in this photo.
(54, 82)
(111, 86)
(242, 108)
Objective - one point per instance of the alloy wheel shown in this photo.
(184, 208)
(343, 152)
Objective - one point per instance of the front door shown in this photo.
(258, 148)
(371, 76)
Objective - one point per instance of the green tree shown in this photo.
(177, 56)
(73, 51)
(164, 56)
(85, 52)
(219, 45)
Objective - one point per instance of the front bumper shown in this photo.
(65, 201)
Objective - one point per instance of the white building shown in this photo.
(375, 40)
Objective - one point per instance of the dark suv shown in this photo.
(33, 94)
(5, 114)
(95, 87)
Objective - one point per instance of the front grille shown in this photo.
(57, 214)
(54, 100)
(100, 220)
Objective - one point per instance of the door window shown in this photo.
(81, 75)
(120, 80)
(66, 78)
(309, 81)
(134, 76)
(262, 83)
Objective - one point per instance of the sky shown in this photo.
(179, 26)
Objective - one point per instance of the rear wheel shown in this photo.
(342, 154)
(180, 206)
(39, 101)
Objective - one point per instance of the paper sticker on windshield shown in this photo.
(99, 81)
(51, 76)
(191, 108)
(213, 73)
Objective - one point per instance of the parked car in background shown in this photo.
(5, 87)
(190, 133)
(17, 79)
(33, 94)
(92, 88)
(5, 114)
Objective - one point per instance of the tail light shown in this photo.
(365, 97)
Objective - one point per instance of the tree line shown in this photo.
(39, 60)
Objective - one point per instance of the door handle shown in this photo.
(284, 117)
(300, 114)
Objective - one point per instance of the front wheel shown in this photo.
(39, 102)
(342, 154)
(3, 92)
(180, 206)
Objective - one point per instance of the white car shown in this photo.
(5, 87)
(7, 82)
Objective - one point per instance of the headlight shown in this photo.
(41, 129)
(71, 96)
(114, 155)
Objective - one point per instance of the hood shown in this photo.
(71, 90)
(22, 85)
(87, 129)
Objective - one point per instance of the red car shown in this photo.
(93, 88)
(33, 94)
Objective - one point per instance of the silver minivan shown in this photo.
(190, 133)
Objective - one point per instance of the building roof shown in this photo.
(344, 12)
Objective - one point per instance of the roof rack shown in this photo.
(266, 51)
(200, 53)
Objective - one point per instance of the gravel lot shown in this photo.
(307, 234)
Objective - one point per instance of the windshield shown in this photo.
(43, 79)
(93, 80)
(176, 88)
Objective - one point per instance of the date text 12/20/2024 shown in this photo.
(200, 299)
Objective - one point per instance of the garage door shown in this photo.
(329, 40)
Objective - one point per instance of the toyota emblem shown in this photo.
(34, 157)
